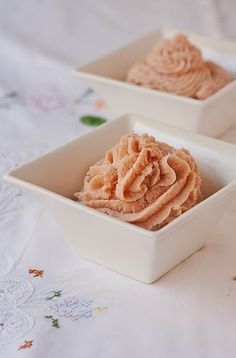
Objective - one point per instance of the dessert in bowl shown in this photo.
(122, 246)
(177, 66)
(207, 109)
(143, 181)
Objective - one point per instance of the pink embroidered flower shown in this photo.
(47, 102)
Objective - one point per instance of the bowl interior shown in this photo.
(62, 171)
(116, 64)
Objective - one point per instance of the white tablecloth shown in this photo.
(53, 303)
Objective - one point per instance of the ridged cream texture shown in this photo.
(143, 181)
(176, 66)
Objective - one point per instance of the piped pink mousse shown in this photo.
(143, 182)
(176, 66)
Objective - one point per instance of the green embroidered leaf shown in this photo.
(13, 94)
(92, 120)
(87, 93)
(55, 294)
(7, 100)
(84, 95)
(54, 321)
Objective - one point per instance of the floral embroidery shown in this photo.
(36, 273)
(99, 105)
(55, 294)
(55, 321)
(15, 322)
(47, 102)
(51, 102)
(40, 102)
(17, 296)
(27, 344)
(76, 308)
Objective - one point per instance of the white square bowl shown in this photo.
(141, 254)
(212, 116)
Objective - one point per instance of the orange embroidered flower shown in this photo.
(27, 344)
(36, 273)
(100, 104)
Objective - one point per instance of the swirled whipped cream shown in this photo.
(176, 66)
(143, 182)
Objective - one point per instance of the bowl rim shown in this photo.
(81, 70)
(11, 176)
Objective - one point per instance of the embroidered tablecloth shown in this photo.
(53, 303)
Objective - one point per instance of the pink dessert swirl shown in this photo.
(143, 182)
(176, 66)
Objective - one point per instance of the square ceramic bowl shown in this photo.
(136, 252)
(212, 116)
